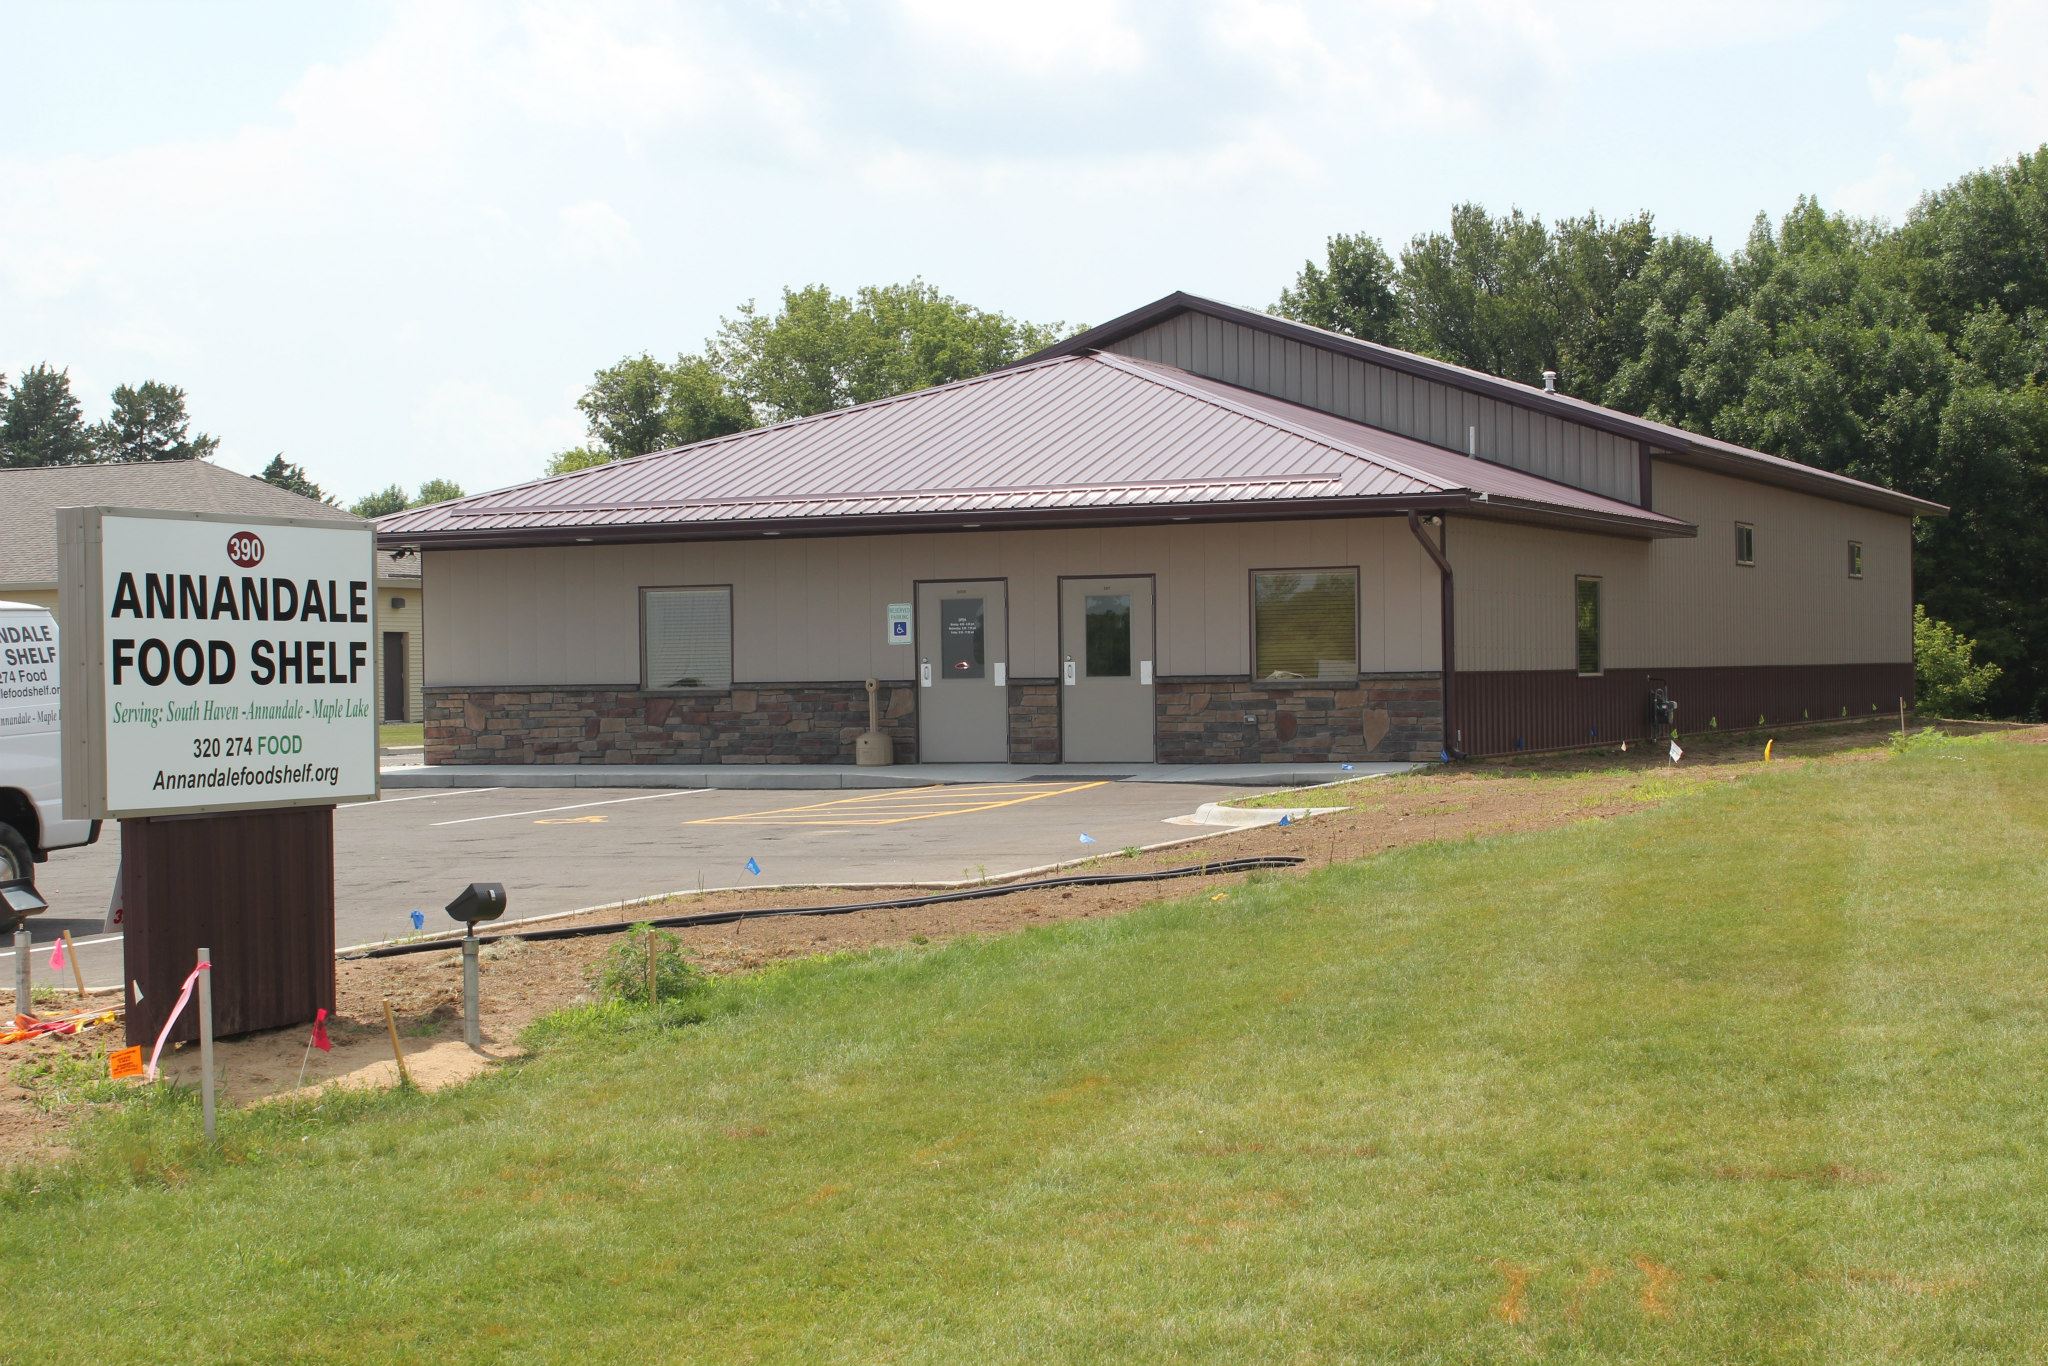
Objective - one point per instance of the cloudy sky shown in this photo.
(393, 241)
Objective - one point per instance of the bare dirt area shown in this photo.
(525, 979)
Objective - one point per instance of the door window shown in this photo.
(961, 637)
(1108, 618)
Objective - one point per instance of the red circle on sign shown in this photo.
(245, 548)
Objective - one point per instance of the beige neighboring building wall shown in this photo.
(1686, 603)
(814, 610)
(34, 597)
(401, 608)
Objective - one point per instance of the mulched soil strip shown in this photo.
(1237, 865)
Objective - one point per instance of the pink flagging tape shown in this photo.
(184, 995)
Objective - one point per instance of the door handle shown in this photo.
(924, 673)
(1068, 669)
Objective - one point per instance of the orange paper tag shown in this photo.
(125, 1062)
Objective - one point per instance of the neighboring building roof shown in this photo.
(1093, 439)
(1661, 438)
(397, 564)
(29, 499)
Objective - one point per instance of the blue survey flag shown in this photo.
(1286, 820)
(1347, 767)
(419, 919)
(754, 867)
(1087, 838)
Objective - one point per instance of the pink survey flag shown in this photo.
(320, 1039)
(56, 955)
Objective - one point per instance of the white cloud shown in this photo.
(1039, 38)
(1989, 87)
(595, 232)
(475, 432)
(1887, 192)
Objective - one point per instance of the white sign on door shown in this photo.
(224, 662)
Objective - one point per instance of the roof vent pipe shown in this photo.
(1550, 381)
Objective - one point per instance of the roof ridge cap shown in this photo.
(1150, 371)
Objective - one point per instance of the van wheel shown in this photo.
(16, 864)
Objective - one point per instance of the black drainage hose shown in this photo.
(1233, 865)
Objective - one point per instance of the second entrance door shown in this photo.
(1106, 670)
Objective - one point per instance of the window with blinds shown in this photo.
(1304, 624)
(1588, 613)
(685, 638)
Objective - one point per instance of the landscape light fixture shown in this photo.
(474, 904)
(18, 901)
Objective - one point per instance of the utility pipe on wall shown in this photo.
(1450, 657)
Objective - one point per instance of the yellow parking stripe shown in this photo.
(898, 807)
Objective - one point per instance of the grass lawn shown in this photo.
(1755, 1075)
(401, 733)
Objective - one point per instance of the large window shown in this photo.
(685, 638)
(1587, 611)
(1304, 624)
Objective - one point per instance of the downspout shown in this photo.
(1450, 654)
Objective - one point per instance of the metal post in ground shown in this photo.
(472, 1034)
(24, 993)
(206, 1042)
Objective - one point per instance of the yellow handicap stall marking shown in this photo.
(899, 805)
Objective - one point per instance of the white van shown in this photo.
(31, 768)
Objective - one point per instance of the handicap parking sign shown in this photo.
(899, 623)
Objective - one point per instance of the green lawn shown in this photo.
(401, 733)
(1756, 1075)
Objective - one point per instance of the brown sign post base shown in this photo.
(255, 886)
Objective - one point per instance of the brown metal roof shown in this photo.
(1094, 439)
(1665, 440)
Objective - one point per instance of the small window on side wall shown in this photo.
(1745, 543)
(685, 638)
(1586, 611)
(1855, 559)
(1304, 625)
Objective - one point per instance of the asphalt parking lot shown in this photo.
(567, 849)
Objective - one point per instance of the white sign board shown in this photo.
(899, 623)
(215, 663)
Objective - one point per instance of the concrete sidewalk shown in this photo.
(810, 777)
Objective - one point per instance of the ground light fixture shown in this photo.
(18, 901)
(474, 904)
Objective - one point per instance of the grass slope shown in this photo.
(1752, 1076)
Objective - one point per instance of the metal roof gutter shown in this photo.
(1462, 501)
(1023, 519)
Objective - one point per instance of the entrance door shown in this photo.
(963, 692)
(395, 691)
(1106, 670)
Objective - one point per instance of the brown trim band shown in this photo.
(1502, 711)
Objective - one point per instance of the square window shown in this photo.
(1587, 619)
(685, 638)
(1855, 559)
(1304, 624)
(1745, 543)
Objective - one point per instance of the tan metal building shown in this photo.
(1196, 533)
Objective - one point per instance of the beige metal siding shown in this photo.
(410, 619)
(34, 597)
(1440, 414)
(815, 610)
(1686, 603)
